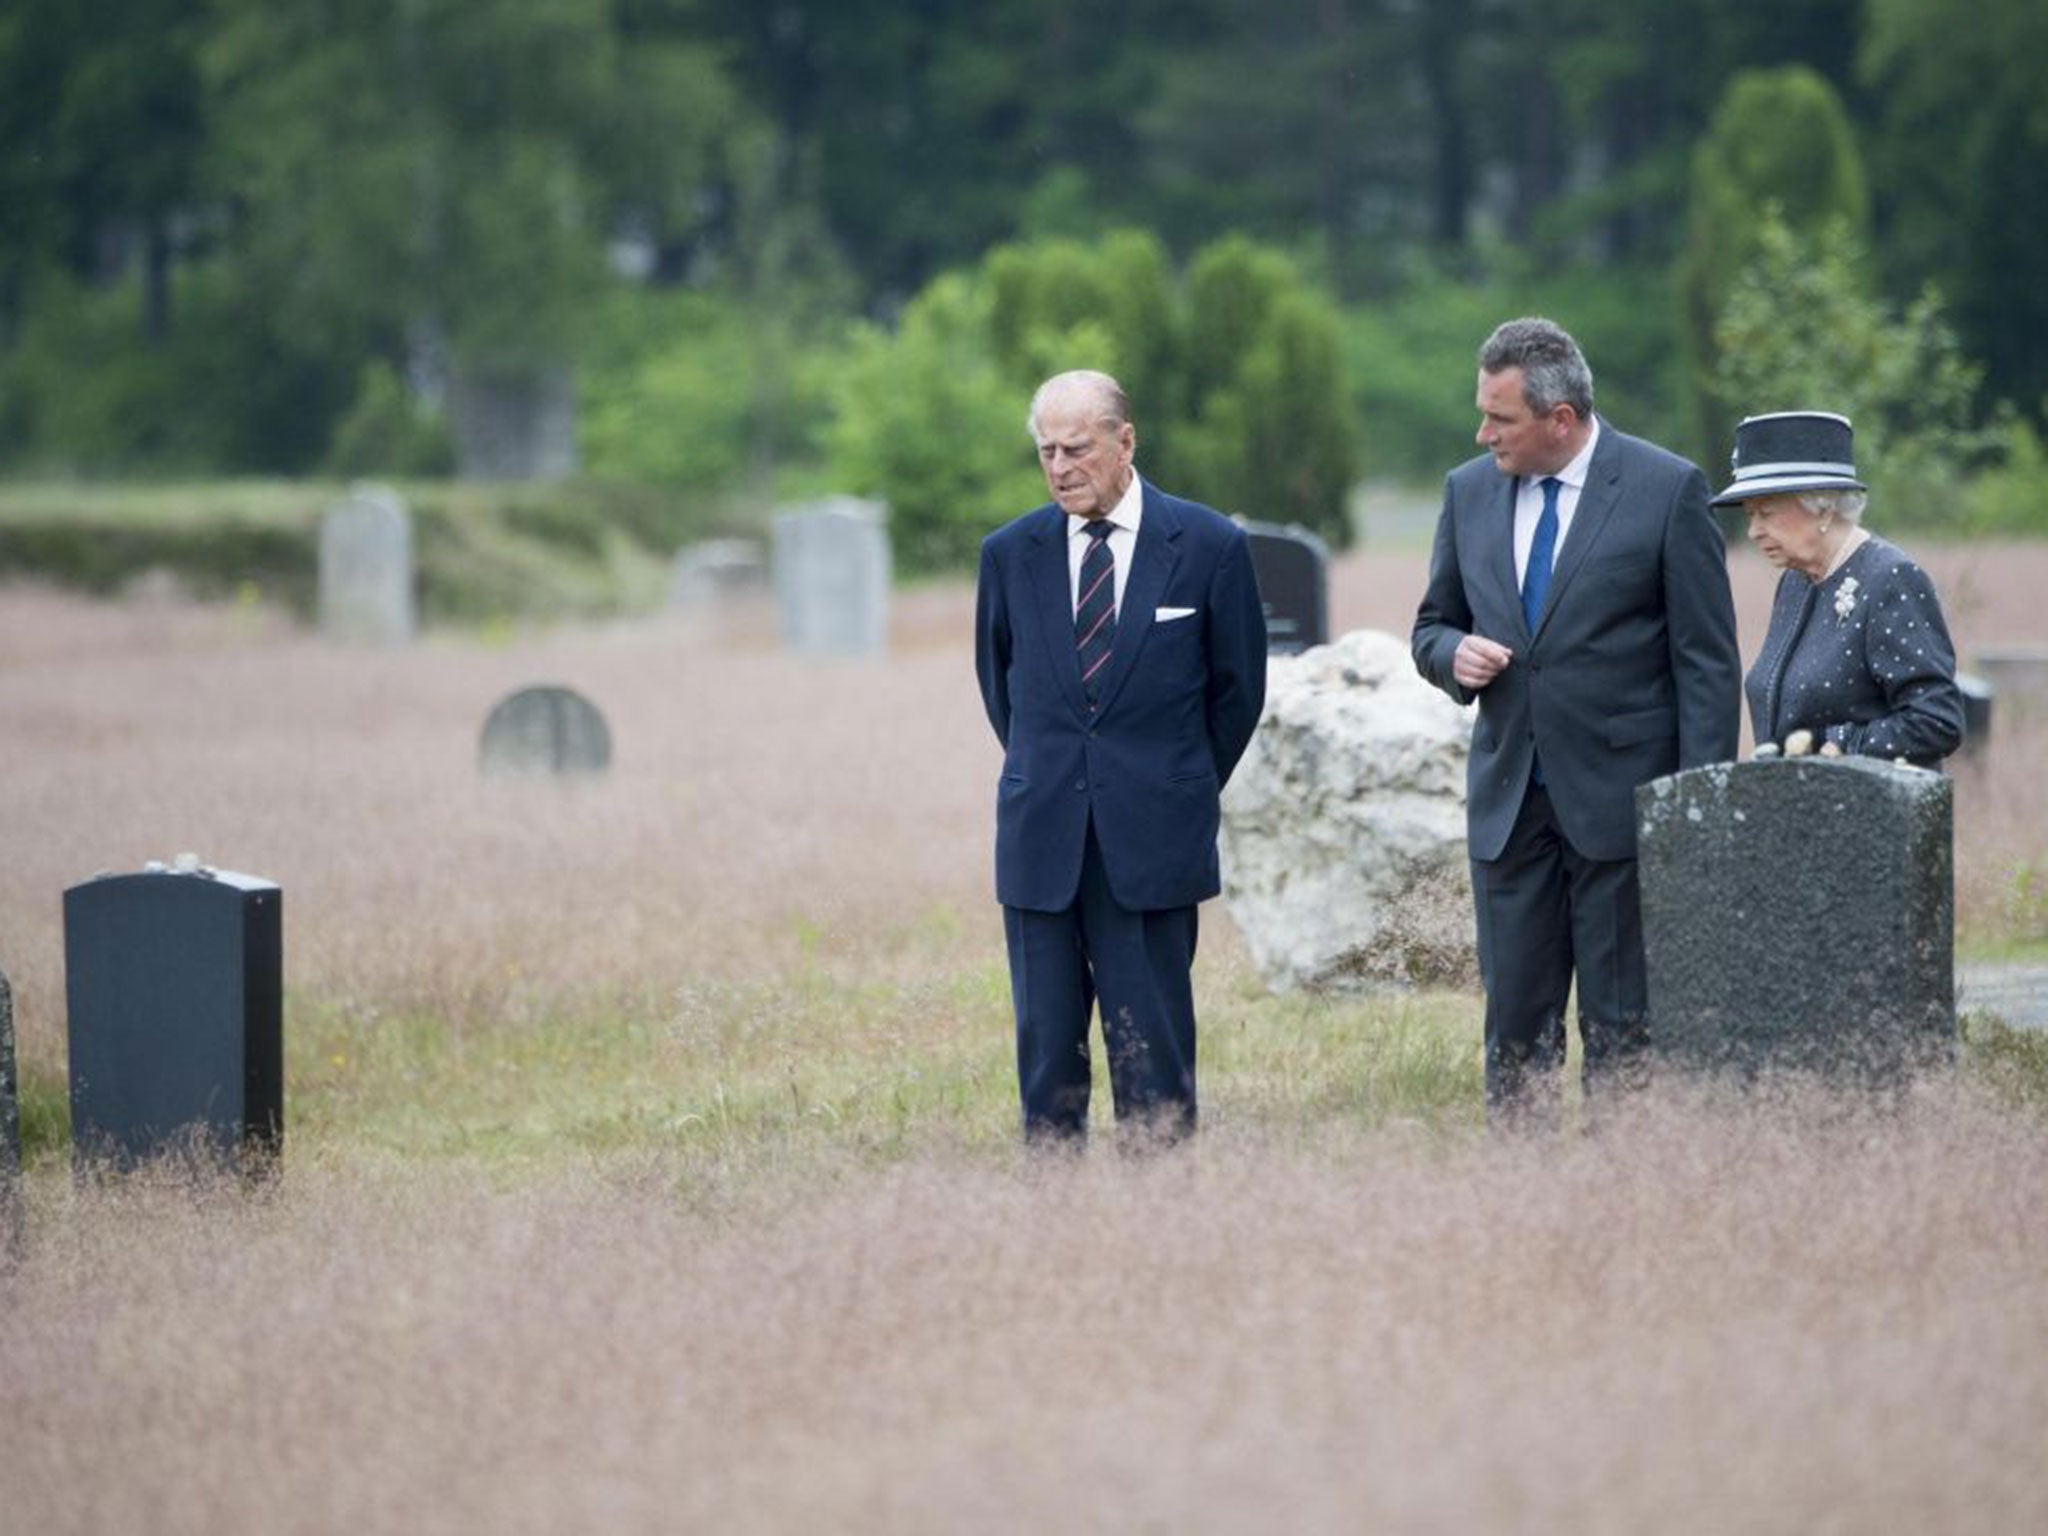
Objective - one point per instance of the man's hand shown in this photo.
(1478, 661)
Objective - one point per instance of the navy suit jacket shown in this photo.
(1179, 701)
(1632, 671)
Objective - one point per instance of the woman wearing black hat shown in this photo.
(1858, 656)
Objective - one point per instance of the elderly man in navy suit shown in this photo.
(1579, 591)
(1121, 650)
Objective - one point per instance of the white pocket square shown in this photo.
(1161, 615)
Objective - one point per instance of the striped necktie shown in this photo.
(1095, 609)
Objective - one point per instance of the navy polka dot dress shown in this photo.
(1862, 659)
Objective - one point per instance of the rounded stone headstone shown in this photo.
(544, 730)
(366, 569)
(1800, 912)
(832, 568)
(707, 572)
(1293, 568)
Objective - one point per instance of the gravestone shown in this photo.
(513, 425)
(1799, 913)
(711, 570)
(544, 730)
(366, 569)
(832, 569)
(2018, 678)
(1293, 567)
(1978, 697)
(12, 1232)
(174, 986)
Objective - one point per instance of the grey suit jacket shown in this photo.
(1632, 671)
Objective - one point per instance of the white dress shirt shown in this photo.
(1123, 542)
(1529, 505)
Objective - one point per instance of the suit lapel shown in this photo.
(1499, 520)
(1053, 591)
(1597, 501)
(1152, 562)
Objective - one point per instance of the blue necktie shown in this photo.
(1095, 608)
(1542, 551)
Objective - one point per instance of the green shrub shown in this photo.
(1804, 329)
(1237, 388)
(1412, 358)
(697, 389)
(1778, 136)
(2010, 495)
(928, 422)
(81, 395)
(388, 433)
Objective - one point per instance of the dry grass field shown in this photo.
(649, 1154)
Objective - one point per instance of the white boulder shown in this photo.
(1343, 838)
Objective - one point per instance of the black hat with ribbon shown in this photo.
(1791, 451)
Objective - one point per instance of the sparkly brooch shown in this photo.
(1845, 599)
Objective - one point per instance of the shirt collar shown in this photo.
(1127, 513)
(1574, 473)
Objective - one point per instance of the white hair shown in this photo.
(1847, 505)
(1098, 391)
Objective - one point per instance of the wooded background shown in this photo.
(756, 249)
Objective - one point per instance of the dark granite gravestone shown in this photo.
(11, 1233)
(174, 984)
(544, 730)
(1293, 568)
(2018, 675)
(1800, 913)
(1978, 697)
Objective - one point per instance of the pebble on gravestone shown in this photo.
(366, 570)
(1800, 913)
(1293, 569)
(174, 989)
(544, 730)
(832, 573)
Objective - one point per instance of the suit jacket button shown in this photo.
(1081, 784)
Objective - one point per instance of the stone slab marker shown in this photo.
(1293, 567)
(11, 1225)
(832, 571)
(710, 570)
(366, 570)
(2018, 677)
(1800, 913)
(174, 987)
(544, 730)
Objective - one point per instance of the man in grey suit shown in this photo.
(1578, 590)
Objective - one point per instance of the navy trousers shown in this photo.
(1546, 913)
(1137, 966)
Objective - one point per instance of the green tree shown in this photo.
(1269, 432)
(1961, 143)
(928, 421)
(1779, 137)
(1243, 402)
(1803, 328)
(440, 177)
